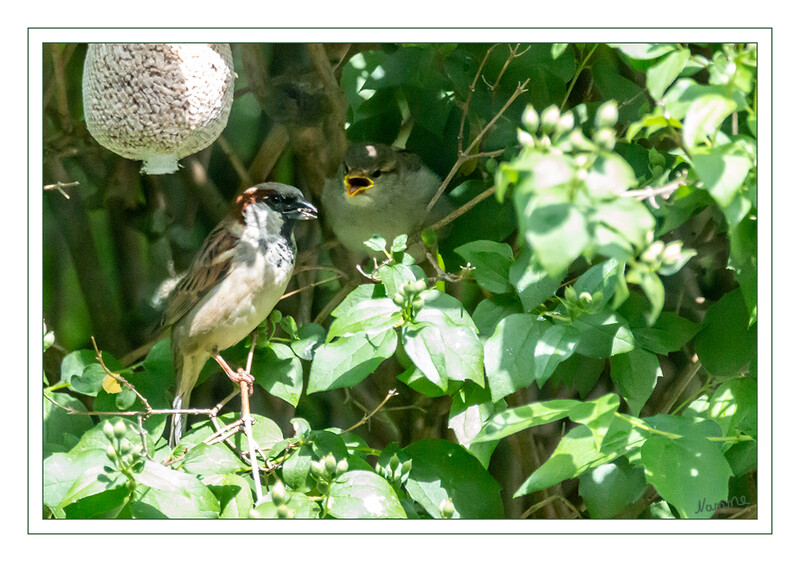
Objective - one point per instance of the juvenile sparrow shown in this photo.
(381, 190)
(237, 277)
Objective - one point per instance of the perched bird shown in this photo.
(237, 277)
(380, 190)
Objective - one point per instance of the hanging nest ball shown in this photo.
(157, 102)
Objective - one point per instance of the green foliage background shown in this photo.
(590, 351)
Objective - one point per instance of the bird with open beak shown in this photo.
(380, 190)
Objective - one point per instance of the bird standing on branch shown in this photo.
(237, 277)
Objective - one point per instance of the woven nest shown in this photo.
(157, 102)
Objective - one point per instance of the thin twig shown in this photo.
(464, 156)
(334, 302)
(443, 275)
(60, 187)
(575, 77)
(678, 386)
(649, 193)
(392, 392)
(464, 208)
(511, 56)
(119, 378)
(143, 436)
(312, 285)
(247, 419)
(536, 507)
(465, 110)
(238, 166)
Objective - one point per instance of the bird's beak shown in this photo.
(302, 210)
(355, 183)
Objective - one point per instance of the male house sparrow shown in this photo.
(237, 277)
(381, 190)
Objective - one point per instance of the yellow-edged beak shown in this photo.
(356, 183)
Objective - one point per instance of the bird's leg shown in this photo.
(238, 376)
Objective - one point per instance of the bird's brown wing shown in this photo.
(209, 267)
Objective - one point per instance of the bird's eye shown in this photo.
(376, 174)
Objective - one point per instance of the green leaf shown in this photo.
(690, 473)
(90, 381)
(612, 85)
(395, 275)
(531, 281)
(311, 336)
(557, 233)
(669, 333)
(546, 171)
(726, 345)
(722, 171)
(603, 334)
(299, 505)
(665, 71)
(491, 260)
(418, 382)
(524, 349)
(491, 311)
(233, 494)
(628, 217)
(173, 494)
(106, 504)
(644, 51)
(517, 419)
(685, 92)
(399, 243)
(576, 453)
(557, 49)
(61, 429)
(600, 281)
(74, 363)
(734, 406)
(743, 261)
(441, 470)
(609, 175)
(158, 362)
(448, 305)
(581, 371)
(376, 243)
(360, 494)
(62, 470)
(472, 406)
(595, 414)
(704, 117)
(296, 470)
(278, 371)
(367, 316)
(636, 374)
(684, 425)
(442, 349)
(348, 361)
(654, 291)
(205, 459)
(611, 487)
